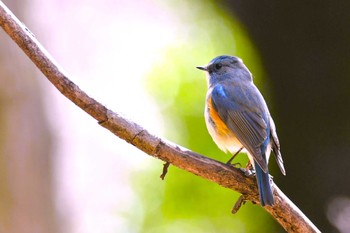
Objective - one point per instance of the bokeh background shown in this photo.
(61, 172)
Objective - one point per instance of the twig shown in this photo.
(165, 170)
(238, 204)
(284, 211)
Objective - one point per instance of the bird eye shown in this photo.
(218, 66)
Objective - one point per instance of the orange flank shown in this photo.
(220, 126)
(221, 134)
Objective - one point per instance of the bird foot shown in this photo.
(249, 172)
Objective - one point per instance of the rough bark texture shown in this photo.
(284, 211)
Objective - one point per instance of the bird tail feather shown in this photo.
(264, 186)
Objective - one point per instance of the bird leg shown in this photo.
(230, 160)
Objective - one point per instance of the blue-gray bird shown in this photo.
(238, 119)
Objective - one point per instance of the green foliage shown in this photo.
(184, 202)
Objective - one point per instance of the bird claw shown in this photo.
(249, 172)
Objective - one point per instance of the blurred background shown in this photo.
(61, 172)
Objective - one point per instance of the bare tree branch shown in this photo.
(284, 211)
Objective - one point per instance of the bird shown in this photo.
(238, 119)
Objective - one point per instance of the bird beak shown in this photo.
(202, 68)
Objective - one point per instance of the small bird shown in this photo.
(238, 119)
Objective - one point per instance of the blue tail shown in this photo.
(264, 186)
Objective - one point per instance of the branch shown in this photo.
(284, 211)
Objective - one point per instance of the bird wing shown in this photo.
(246, 115)
(276, 147)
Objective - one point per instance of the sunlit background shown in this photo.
(61, 172)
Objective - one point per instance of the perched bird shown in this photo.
(238, 119)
